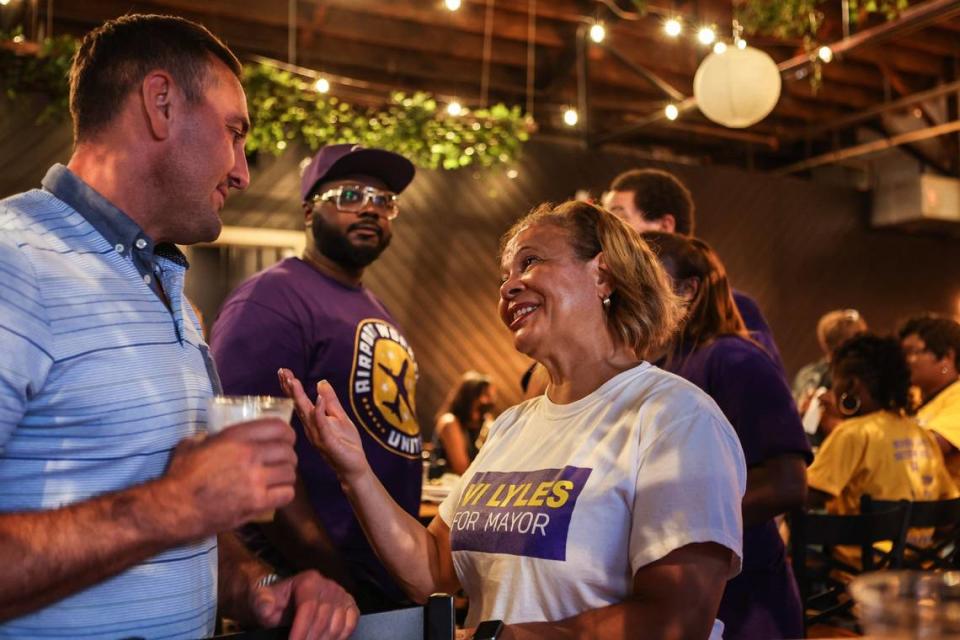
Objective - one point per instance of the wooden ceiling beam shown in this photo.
(469, 19)
(935, 41)
(346, 24)
(833, 93)
(914, 62)
(393, 63)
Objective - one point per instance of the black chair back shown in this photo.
(942, 516)
(821, 573)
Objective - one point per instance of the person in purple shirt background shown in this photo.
(714, 351)
(656, 200)
(313, 315)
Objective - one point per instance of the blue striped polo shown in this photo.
(99, 381)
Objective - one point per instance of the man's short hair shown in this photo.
(114, 58)
(657, 193)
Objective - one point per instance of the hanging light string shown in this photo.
(487, 52)
(292, 32)
(531, 52)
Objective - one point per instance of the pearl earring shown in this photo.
(606, 303)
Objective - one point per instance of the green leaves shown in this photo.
(44, 72)
(285, 108)
(803, 18)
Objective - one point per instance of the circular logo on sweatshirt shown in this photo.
(383, 387)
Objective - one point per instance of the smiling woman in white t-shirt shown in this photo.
(609, 507)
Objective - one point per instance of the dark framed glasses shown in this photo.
(357, 198)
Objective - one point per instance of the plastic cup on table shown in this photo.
(224, 412)
(918, 605)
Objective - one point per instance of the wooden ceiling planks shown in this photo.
(418, 45)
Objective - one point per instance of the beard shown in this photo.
(334, 244)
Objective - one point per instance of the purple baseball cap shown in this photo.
(336, 161)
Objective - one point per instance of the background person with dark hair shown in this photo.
(878, 449)
(656, 200)
(714, 351)
(931, 345)
(112, 500)
(462, 422)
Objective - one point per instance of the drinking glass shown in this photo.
(226, 411)
(918, 605)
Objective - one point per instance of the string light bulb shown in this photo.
(825, 53)
(451, 5)
(598, 32)
(322, 85)
(673, 27)
(706, 35)
(454, 108)
(671, 111)
(720, 47)
(571, 117)
(741, 44)
(4, 2)
(512, 174)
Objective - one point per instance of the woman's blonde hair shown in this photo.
(643, 310)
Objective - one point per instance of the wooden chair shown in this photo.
(942, 516)
(433, 621)
(822, 575)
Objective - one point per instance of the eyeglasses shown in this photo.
(357, 198)
(910, 353)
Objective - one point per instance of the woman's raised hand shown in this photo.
(327, 426)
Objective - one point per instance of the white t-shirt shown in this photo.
(565, 503)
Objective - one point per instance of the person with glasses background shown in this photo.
(931, 345)
(878, 449)
(313, 315)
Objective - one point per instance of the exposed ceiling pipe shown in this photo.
(870, 147)
(872, 112)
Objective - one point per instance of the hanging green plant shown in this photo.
(785, 19)
(286, 108)
(38, 69)
(859, 9)
(802, 19)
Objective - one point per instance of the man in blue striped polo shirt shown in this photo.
(110, 503)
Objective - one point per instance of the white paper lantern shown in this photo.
(738, 87)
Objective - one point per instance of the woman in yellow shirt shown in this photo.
(878, 449)
(931, 345)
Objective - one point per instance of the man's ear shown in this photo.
(307, 210)
(668, 223)
(157, 94)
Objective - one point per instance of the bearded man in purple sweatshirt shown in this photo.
(313, 315)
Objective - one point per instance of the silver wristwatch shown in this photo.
(267, 580)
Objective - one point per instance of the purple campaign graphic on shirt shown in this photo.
(522, 513)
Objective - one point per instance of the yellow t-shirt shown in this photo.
(942, 415)
(882, 454)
